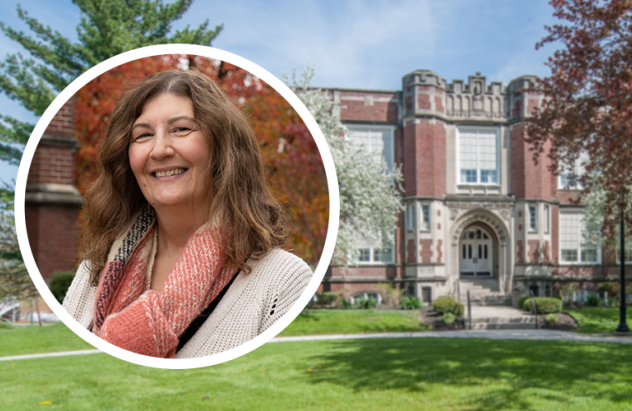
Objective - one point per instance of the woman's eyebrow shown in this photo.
(173, 120)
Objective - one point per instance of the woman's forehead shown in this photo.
(165, 108)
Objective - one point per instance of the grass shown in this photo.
(317, 322)
(598, 320)
(28, 340)
(385, 374)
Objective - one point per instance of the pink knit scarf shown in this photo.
(130, 315)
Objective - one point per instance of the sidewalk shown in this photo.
(540, 335)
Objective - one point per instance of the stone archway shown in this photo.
(498, 229)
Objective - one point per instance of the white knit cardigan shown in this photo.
(250, 306)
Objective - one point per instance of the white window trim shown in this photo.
(391, 129)
(579, 171)
(496, 131)
(579, 257)
(533, 229)
(410, 217)
(371, 256)
(422, 218)
(546, 214)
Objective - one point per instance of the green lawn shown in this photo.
(599, 320)
(316, 322)
(36, 339)
(384, 374)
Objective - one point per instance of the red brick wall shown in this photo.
(52, 165)
(533, 250)
(528, 179)
(425, 158)
(520, 251)
(359, 110)
(64, 121)
(425, 250)
(52, 233)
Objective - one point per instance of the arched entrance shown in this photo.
(476, 253)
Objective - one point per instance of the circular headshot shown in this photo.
(179, 206)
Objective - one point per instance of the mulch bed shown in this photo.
(429, 317)
(564, 323)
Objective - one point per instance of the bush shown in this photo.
(544, 305)
(551, 318)
(410, 303)
(593, 300)
(448, 318)
(345, 303)
(327, 298)
(59, 284)
(444, 305)
(366, 303)
(521, 301)
(5, 326)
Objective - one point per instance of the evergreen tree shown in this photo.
(107, 28)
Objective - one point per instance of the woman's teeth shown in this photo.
(170, 172)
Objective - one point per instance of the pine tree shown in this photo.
(367, 211)
(107, 28)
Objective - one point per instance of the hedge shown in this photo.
(521, 301)
(445, 305)
(59, 284)
(544, 305)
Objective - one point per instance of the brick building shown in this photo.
(479, 213)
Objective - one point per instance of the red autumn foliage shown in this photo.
(587, 106)
(295, 168)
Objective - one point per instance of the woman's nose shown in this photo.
(163, 146)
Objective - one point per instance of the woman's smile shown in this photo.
(169, 154)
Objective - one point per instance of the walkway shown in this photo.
(539, 335)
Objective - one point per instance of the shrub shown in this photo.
(593, 300)
(551, 318)
(327, 298)
(557, 297)
(390, 296)
(5, 326)
(544, 305)
(448, 318)
(444, 305)
(366, 303)
(410, 303)
(521, 301)
(59, 284)
(345, 303)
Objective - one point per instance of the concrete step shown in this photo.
(503, 326)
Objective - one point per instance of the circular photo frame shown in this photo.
(257, 73)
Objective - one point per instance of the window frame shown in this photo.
(533, 228)
(424, 223)
(464, 129)
(410, 217)
(547, 218)
(390, 162)
(578, 169)
(579, 248)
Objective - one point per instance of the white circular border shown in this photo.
(281, 88)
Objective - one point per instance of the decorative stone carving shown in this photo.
(505, 214)
(454, 213)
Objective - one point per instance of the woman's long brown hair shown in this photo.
(235, 179)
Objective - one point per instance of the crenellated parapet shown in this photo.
(426, 93)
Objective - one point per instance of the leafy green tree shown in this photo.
(107, 28)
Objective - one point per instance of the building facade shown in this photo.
(480, 214)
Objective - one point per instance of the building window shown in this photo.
(627, 255)
(425, 217)
(377, 140)
(533, 218)
(546, 219)
(478, 156)
(410, 217)
(568, 179)
(369, 255)
(575, 244)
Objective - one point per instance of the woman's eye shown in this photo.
(142, 136)
(181, 131)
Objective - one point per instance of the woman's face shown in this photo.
(169, 154)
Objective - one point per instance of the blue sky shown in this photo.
(353, 44)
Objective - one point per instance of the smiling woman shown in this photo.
(181, 239)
